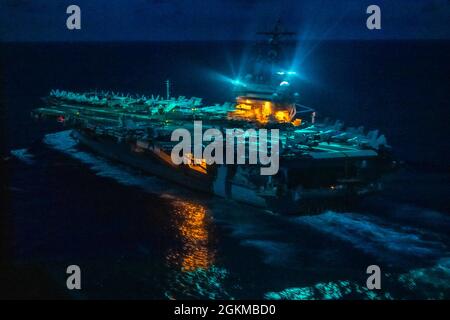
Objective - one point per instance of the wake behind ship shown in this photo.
(318, 160)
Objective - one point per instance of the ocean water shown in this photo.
(137, 236)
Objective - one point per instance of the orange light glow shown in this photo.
(192, 225)
(244, 106)
(196, 164)
(282, 116)
(261, 111)
(267, 109)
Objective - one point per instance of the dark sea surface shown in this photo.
(138, 236)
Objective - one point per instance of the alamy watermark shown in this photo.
(74, 279)
(374, 280)
(373, 22)
(241, 147)
(73, 21)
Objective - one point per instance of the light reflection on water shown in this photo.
(193, 224)
(194, 273)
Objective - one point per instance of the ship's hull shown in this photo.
(122, 153)
(218, 181)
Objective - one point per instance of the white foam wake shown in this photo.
(275, 252)
(375, 236)
(62, 141)
(23, 155)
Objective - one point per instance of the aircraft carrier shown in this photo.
(319, 160)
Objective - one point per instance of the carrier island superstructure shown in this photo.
(319, 160)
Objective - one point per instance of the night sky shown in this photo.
(185, 20)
